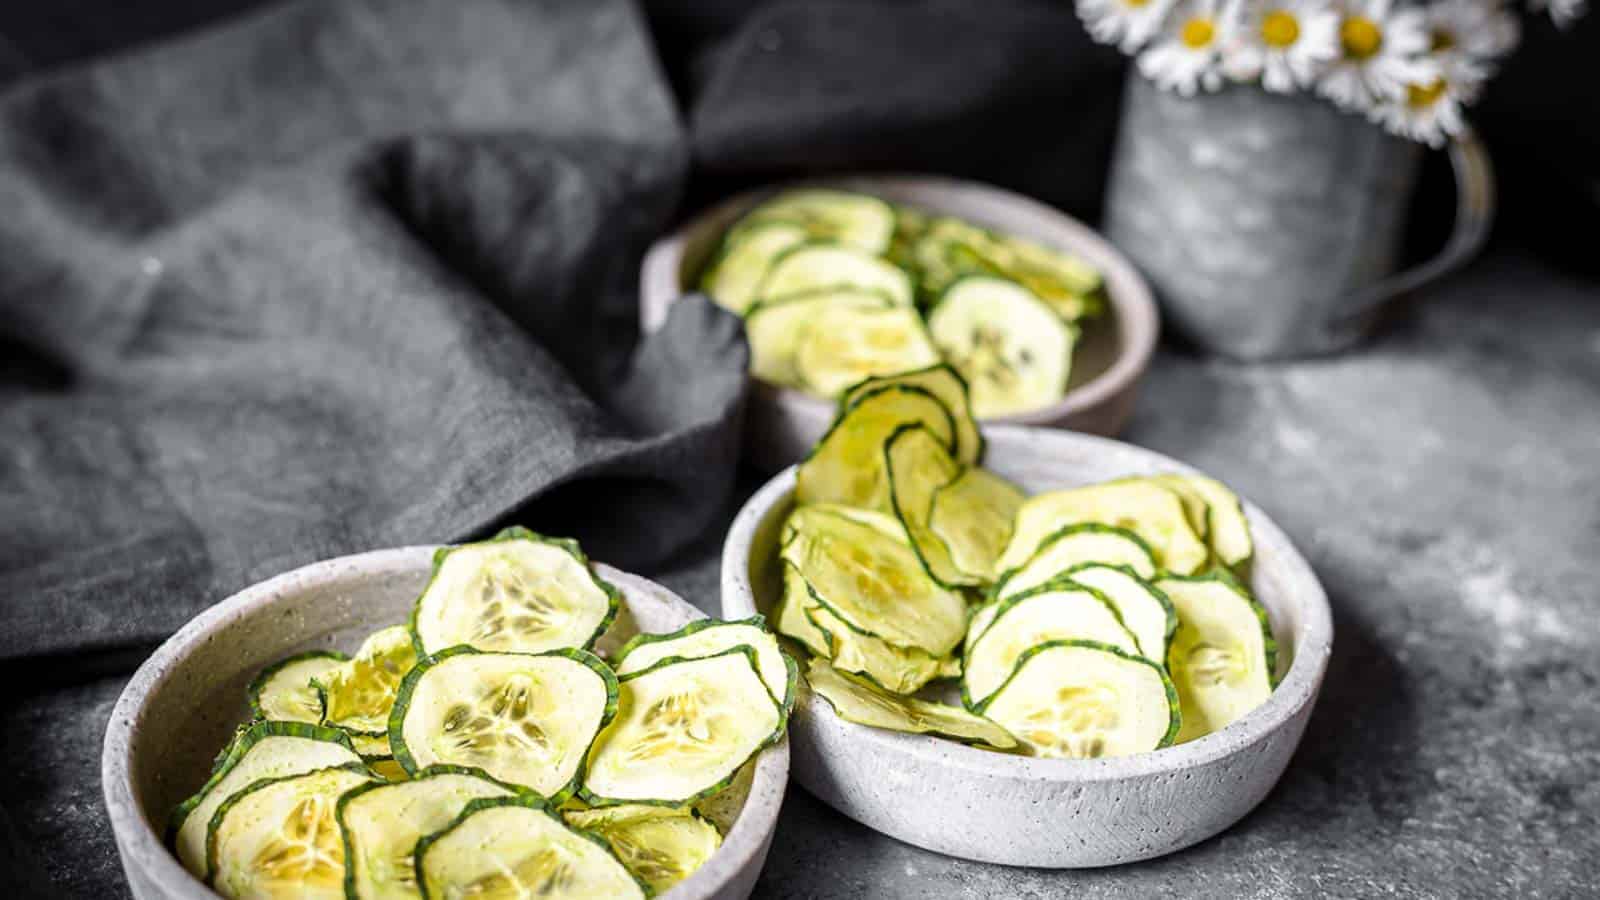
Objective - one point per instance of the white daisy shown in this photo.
(1482, 29)
(1379, 55)
(1188, 54)
(1283, 42)
(1562, 12)
(1127, 23)
(1430, 111)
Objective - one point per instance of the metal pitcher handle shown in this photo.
(1475, 206)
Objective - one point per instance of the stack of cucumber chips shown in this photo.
(838, 286)
(484, 749)
(934, 597)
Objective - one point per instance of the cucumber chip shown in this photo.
(732, 278)
(683, 729)
(776, 328)
(708, 637)
(899, 670)
(661, 846)
(263, 750)
(846, 466)
(918, 466)
(1222, 656)
(358, 693)
(1151, 511)
(791, 618)
(816, 267)
(383, 822)
(1013, 351)
(1143, 607)
(516, 847)
(1055, 611)
(1084, 700)
(947, 386)
(519, 592)
(1228, 532)
(1075, 545)
(371, 746)
(524, 719)
(844, 344)
(279, 836)
(283, 691)
(389, 769)
(865, 704)
(844, 217)
(973, 516)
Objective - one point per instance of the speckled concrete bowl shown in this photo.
(992, 807)
(184, 702)
(781, 424)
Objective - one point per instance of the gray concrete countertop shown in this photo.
(1444, 481)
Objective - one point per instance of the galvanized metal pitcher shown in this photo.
(1270, 225)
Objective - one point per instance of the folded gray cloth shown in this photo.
(336, 276)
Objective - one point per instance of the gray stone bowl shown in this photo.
(1110, 359)
(992, 807)
(184, 702)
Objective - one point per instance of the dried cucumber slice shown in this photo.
(857, 220)
(918, 465)
(1075, 545)
(707, 637)
(844, 344)
(948, 387)
(1151, 511)
(817, 267)
(661, 846)
(1146, 611)
(1014, 352)
(263, 750)
(371, 746)
(900, 670)
(283, 692)
(790, 616)
(358, 694)
(948, 249)
(973, 515)
(525, 719)
(383, 822)
(733, 277)
(683, 729)
(846, 466)
(389, 769)
(864, 704)
(516, 847)
(1084, 700)
(1194, 505)
(279, 836)
(883, 523)
(1058, 610)
(1228, 532)
(517, 592)
(775, 328)
(875, 583)
(1222, 656)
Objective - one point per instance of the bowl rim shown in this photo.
(142, 847)
(1130, 296)
(1313, 645)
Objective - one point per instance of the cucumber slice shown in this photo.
(524, 719)
(844, 344)
(389, 769)
(1060, 610)
(659, 845)
(516, 847)
(370, 746)
(910, 224)
(1146, 611)
(1228, 532)
(857, 220)
(383, 822)
(817, 267)
(708, 637)
(263, 750)
(949, 249)
(517, 592)
(279, 837)
(949, 667)
(876, 584)
(1223, 656)
(1083, 700)
(899, 670)
(683, 729)
(1013, 351)
(743, 261)
(883, 523)
(358, 694)
(918, 465)
(775, 328)
(283, 692)
(949, 388)
(1151, 511)
(973, 515)
(791, 615)
(846, 466)
(864, 704)
(1194, 505)
(1072, 546)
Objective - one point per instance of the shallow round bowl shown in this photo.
(184, 702)
(1056, 813)
(1110, 359)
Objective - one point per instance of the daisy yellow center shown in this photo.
(1279, 29)
(1361, 37)
(1197, 33)
(1422, 96)
(1442, 39)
